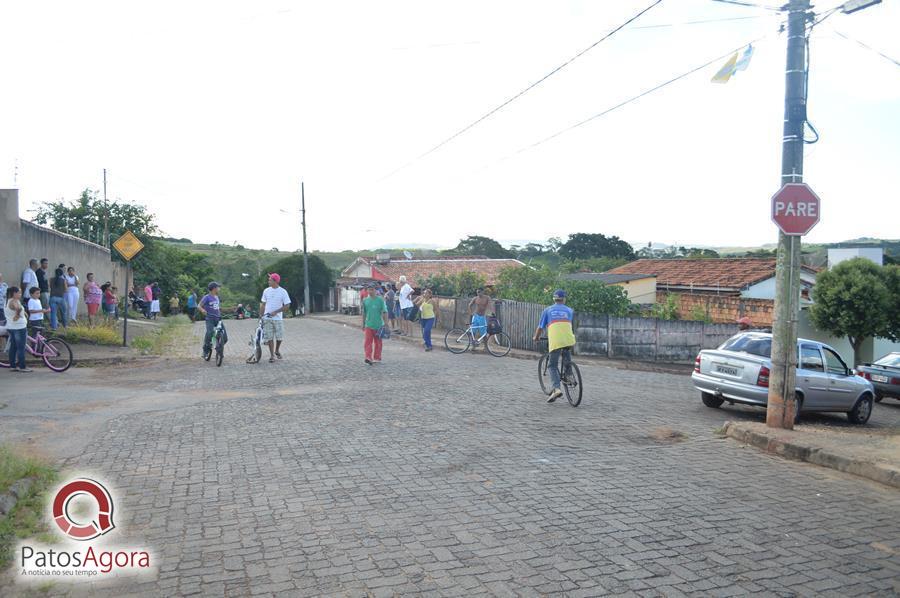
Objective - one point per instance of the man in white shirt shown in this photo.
(275, 301)
(406, 306)
(29, 279)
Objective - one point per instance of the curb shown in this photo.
(640, 366)
(772, 444)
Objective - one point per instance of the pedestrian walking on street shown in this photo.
(93, 297)
(273, 303)
(16, 322)
(58, 300)
(390, 300)
(72, 294)
(428, 316)
(375, 321)
(406, 306)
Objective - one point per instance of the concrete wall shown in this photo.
(21, 240)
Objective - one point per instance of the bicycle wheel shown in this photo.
(571, 384)
(499, 345)
(544, 373)
(220, 355)
(457, 341)
(57, 355)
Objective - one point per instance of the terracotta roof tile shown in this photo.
(417, 270)
(725, 273)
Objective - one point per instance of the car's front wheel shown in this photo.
(711, 401)
(862, 411)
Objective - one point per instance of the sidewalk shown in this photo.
(869, 453)
(438, 340)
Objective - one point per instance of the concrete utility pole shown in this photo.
(105, 213)
(306, 305)
(782, 407)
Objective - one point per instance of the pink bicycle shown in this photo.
(55, 352)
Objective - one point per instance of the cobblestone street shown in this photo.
(440, 474)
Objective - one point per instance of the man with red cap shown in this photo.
(744, 323)
(275, 300)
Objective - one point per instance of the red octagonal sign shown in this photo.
(795, 209)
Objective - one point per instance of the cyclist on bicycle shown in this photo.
(209, 307)
(557, 321)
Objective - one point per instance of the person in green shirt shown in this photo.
(375, 319)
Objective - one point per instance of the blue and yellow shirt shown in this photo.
(557, 321)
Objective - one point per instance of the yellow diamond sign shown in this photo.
(128, 245)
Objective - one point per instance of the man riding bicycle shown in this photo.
(557, 321)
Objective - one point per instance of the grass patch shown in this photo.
(26, 519)
(161, 339)
(101, 334)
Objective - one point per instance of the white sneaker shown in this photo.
(554, 395)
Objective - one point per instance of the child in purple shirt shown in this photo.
(209, 307)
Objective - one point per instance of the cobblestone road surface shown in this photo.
(438, 474)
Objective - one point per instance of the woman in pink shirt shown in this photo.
(92, 298)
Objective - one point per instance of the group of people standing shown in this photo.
(59, 292)
(383, 306)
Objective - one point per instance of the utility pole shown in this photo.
(782, 406)
(306, 305)
(105, 213)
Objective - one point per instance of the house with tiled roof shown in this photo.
(724, 289)
(383, 268)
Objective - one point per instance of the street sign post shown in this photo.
(128, 246)
(795, 209)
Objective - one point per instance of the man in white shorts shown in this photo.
(275, 301)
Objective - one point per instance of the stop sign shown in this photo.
(795, 209)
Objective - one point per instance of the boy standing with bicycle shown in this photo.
(209, 307)
(557, 321)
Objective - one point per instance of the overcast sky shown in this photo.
(210, 113)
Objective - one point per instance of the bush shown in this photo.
(537, 286)
(101, 334)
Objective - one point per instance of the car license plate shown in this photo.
(877, 378)
(727, 370)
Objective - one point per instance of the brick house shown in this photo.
(725, 289)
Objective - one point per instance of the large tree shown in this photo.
(582, 246)
(857, 299)
(475, 245)
(291, 270)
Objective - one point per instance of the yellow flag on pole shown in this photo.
(726, 71)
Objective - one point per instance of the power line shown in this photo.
(629, 100)
(750, 5)
(867, 47)
(702, 22)
(523, 92)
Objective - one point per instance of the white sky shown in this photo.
(211, 112)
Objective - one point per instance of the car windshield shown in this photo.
(749, 343)
(891, 360)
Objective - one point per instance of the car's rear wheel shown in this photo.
(711, 401)
(862, 411)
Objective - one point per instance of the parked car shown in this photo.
(738, 372)
(884, 375)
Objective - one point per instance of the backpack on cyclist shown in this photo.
(494, 326)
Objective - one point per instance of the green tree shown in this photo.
(439, 285)
(590, 245)
(537, 286)
(596, 264)
(475, 245)
(291, 270)
(857, 299)
(176, 270)
(668, 310)
(89, 216)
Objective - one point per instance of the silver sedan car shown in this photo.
(738, 372)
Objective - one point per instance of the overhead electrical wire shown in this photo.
(523, 92)
(634, 98)
(701, 22)
(750, 5)
(867, 47)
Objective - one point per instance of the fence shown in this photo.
(643, 339)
